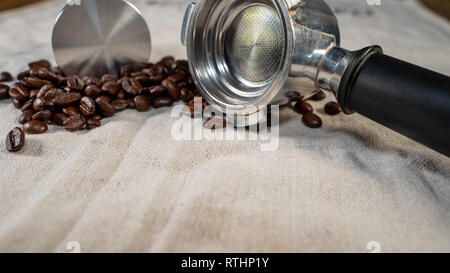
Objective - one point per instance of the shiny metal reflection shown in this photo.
(98, 36)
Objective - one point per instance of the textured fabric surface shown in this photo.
(129, 186)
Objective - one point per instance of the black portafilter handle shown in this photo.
(406, 98)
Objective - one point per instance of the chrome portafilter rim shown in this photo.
(213, 67)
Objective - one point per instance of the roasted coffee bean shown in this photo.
(157, 90)
(319, 96)
(71, 111)
(303, 107)
(162, 102)
(74, 123)
(93, 123)
(33, 93)
(215, 123)
(87, 106)
(120, 104)
(4, 91)
(131, 103)
(34, 82)
(105, 106)
(97, 117)
(168, 61)
(111, 88)
(26, 116)
(93, 91)
(131, 86)
(109, 78)
(59, 119)
(312, 120)
(332, 108)
(143, 103)
(67, 98)
(19, 92)
(126, 70)
(294, 96)
(35, 127)
(141, 77)
(44, 116)
(186, 94)
(17, 103)
(6, 77)
(177, 78)
(182, 85)
(40, 104)
(92, 80)
(75, 83)
(28, 105)
(44, 89)
(45, 74)
(172, 88)
(58, 71)
(40, 63)
(181, 64)
(122, 95)
(23, 74)
(15, 140)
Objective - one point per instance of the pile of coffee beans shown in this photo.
(304, 108)
(46, 96)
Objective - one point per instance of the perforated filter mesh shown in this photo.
(254, 45)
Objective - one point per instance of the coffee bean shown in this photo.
(40, 63)
(157, 90)
(215, 123)
(122, 95)
(312, 120)
(294, 96)
(109, 78)
(75, 83)
(126, 70)
(74, 123)
(186, 94)
(28, 105)
(104, 106)
(319, 96)
(44, 89)
(176, 78)
(4, 91)
(59, 119)
(143, 103)
(44, 116)
(131, 103)
(34, 82)
(67, 98)
(33, 93)
(131, 86)
(6, 77)
(92, 80)
(111, 88)
(87, 106)
(71, 111)
(15, 140)
(45, 74)
(303, 107)
(97, 117)
(93, 123)
(120, 104)
(141, 77)
(19, 92)
(26, 116)
(23, 74)
(168, 61)
(332, 108)
(162, 102)
(93, 91)
(17, 103)
(35, 127)
(172, 89)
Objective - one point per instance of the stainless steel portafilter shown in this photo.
(96, 37)
(246, 53)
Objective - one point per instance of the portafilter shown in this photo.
(244, 53)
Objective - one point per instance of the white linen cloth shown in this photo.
(129, 186)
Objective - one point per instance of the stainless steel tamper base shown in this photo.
(96, 37)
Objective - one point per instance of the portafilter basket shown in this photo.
(246, 53)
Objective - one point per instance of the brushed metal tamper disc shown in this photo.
(96, 37)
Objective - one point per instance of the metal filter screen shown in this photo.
(254, 45)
